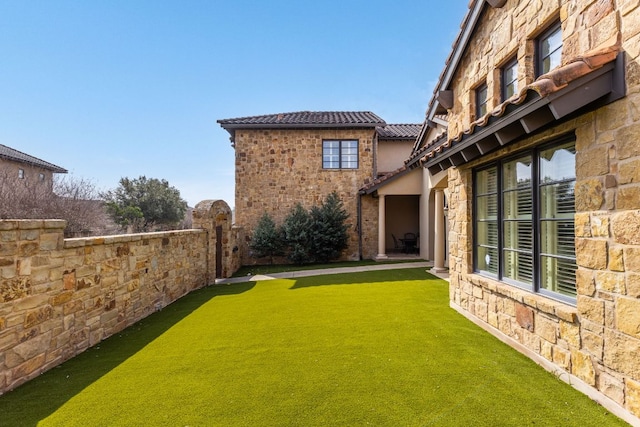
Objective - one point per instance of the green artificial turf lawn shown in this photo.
(377, 348)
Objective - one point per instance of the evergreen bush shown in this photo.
(296, 232)
(267, 239)
(328, 229)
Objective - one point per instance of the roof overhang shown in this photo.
(597, 88)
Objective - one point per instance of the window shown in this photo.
(510, 79)
(340, 154)
(549, 53)
(523, 220)
(41, 177)
(20, 173)
(481, 100)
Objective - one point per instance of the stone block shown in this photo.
(633, 285)
(609, 281)
(621, 353)
(562, 358)
(616, 259)
(28, 350)
(591, 309)
(627, 314)
(570, 333)
(524, 317)
(611, 386)
(628, 197)
(592, 162)
(591, 253)
(629, 172)
(38, 316)
(626, 226)
(546, 329)
(627, 139)
(593, 344)
(582, 224)
(28, 367)
(582, 367)
(585, 282)
(600, 225)
(632, 393)
(631, 257)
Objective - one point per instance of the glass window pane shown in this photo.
(518, 266)
(487, 207)
(517, 173)
(481, 101)
(558, 163)
(510, 79)
(487, 259)
(557, 238)
(557, 200)
(487, 181)
(551, 50)
(517, 205)
(518, 235)
(558, 275)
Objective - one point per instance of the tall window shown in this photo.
(524, 226)
(340, 154)
(549, 52)
(21, 173)
(510, 79)
(481, 100)
(41, 177)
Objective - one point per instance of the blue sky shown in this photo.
(108, 89)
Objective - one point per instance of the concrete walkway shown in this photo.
(306, 273)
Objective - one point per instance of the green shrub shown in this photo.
(267, 239)
(296, 231)
(329, 229)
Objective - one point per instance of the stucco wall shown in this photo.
(392, 154)
(275, 169)
(598, 339)
(9, 175)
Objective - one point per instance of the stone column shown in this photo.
(438, 235)
(382, 250)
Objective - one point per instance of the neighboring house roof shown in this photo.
(399, 131)
(9, 153)
(551, 97)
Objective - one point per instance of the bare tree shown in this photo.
(73, 199)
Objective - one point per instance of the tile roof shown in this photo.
(399, 131)
(380, 181)
(306, 119)
(18, 156)
(544, 86)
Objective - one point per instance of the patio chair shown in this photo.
(396, 246)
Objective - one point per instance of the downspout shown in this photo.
(359, 225)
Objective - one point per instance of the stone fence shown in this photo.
(59, 296)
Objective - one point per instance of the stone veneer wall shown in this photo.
(277, 168)
(59, 296)
(598, 340)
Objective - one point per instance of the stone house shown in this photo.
(283, 159)
(21, 169)
(540, 164)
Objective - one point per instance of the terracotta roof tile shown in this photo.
(18, 156)
(399, 131)
(544, 86)
(380, 180)
(306, 119)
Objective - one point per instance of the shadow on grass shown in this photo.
(35, 400)
(364, 278)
